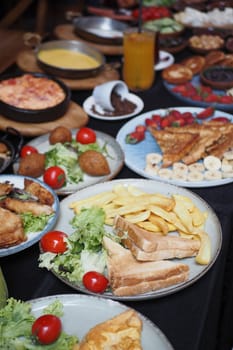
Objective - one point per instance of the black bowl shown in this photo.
(218, 77)
(36, 115)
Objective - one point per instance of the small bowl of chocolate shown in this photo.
(218, 77)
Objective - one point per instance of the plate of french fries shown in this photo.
(162, 209)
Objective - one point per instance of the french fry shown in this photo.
(183, 214)
(160, 222)
(204, 255)
(168, 216)
(149, 226)
(187, 202)
(198, 217)
(137, 217)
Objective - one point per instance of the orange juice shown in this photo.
(138, 67)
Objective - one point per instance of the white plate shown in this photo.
(135, 155)
(33, 237)
(89, 102)
(115, 160)
(81, 312)
(213, 228)
(166, 59)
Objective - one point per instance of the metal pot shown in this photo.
(71, 45)
(13, 147)
(101, 30)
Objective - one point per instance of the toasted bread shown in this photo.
(174, 146)
(146, 246)
(121, 332)
(127, 276)
(207, 136)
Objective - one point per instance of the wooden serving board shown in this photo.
(66, 32)
(75, 117)
(26, 60)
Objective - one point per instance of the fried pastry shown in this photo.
(195, 63)
(122, 332)
(177, 74)
(11, 229)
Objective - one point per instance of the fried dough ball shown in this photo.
(60, 134)
(93, 163)
(32, 165)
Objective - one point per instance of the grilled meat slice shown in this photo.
(44, 196)
(11, 229)
(26, 206)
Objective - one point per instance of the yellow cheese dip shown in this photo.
(69, 59)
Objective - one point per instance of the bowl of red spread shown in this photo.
(33, 97)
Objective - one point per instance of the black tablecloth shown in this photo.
(195, 318)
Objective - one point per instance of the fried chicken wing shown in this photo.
(44, 196)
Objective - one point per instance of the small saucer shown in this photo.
(89, 102)
(165, 60)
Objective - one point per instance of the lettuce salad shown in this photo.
(85, 251)
(16, 320)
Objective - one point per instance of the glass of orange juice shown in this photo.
(139, 58)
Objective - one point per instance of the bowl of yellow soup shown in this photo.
(69, 59)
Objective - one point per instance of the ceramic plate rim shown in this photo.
(132, 97)
(77, 300)
(162, 65)
(117, 166)
(148, 184)
(133, 166)
(196, 81)
(48, 227)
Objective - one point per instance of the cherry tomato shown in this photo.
(47, 328)
(55, 177)
(26, 150)
(85, 135)
(95, 281)
(54, 242)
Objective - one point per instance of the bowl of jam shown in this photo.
(218, 77)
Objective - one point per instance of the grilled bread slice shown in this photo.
(127, 276)
(174, 146)
(121, 332)
(146, 246)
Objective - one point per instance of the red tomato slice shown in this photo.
(26, 150)
(47, 328)
(85, 135)
(95, 281)
(54, 242)
(55, 177)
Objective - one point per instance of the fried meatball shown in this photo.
(93, 163)
(32, 165)
(60, 134)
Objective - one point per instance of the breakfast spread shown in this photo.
(31, 92)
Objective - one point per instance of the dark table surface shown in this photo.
(195, 318)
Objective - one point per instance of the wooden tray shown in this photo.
(75, 117)
(66, 32)
(26, 60)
